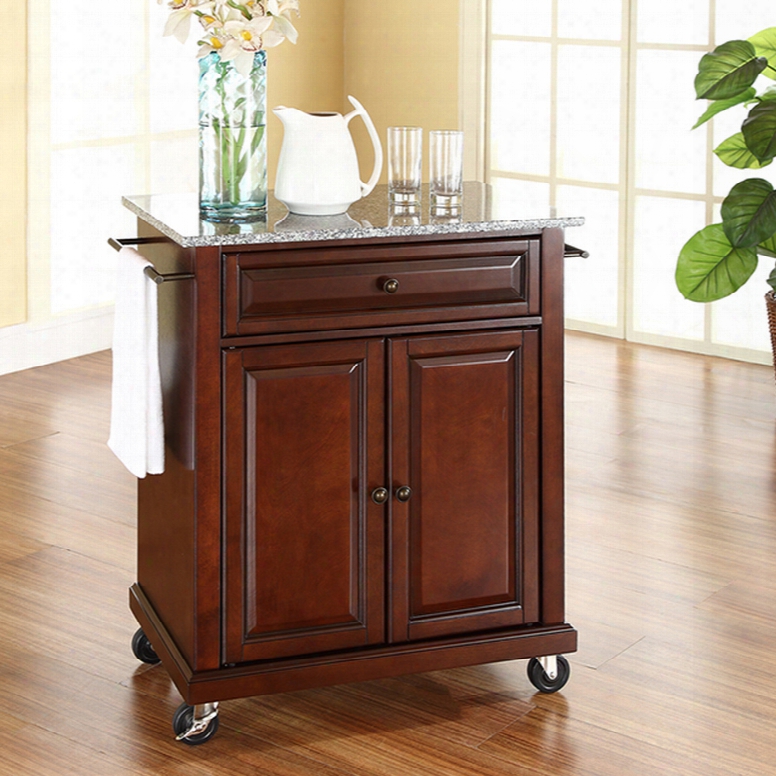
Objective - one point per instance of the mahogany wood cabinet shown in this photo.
(364, 460)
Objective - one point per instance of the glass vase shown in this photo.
(232, 140)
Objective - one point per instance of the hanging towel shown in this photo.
(136, 423)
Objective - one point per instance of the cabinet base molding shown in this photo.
(278, 676)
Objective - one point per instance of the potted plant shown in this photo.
(719, 259)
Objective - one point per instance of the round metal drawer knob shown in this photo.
(379, 495)
(403, 493)
(391, 286)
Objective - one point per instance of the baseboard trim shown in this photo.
(27, 345)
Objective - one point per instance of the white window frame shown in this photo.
(476, 39)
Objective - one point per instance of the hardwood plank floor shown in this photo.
(671, 561)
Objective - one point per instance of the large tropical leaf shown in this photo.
(717, 106)
(710, 268)
(734, 153)
(765, 45)
(728, 70)
(759, 130)
(772, 279)
(749, 213)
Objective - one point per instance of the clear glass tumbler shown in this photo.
(405, 156)
(446, 169)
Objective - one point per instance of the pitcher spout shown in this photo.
(287, 115)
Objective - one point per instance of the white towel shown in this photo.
(136, 423)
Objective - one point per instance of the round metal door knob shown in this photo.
(379, 495)
(391, 286)
(404, 493)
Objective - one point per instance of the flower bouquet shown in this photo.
(232, 97)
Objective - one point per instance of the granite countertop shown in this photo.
(177, 216)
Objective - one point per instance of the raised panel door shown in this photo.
(464, 431)
(304, 541)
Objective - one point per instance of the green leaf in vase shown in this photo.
(734, 153)
(257, 136)
(241, 157)
(749, 213)
(710, 268)
(759, 130)
(728, 70)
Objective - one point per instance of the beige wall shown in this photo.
(13, 169)
(401, 62)
(400, 59)
(310, 74)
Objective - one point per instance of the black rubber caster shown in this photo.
(541, 681)
(181, 722)
(142, 649)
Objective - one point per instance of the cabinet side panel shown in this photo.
(552, 517)
(166, 510)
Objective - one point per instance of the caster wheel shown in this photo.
(541, 681)
(142, 649)
(181, 722)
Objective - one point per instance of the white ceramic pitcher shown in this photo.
(318, 168)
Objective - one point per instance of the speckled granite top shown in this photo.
(177, 216)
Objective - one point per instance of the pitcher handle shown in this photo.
(367, 187)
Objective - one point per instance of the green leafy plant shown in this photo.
(718, 260)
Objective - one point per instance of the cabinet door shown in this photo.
(464, 432)
(304, 541)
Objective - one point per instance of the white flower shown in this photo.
(237, 30)
(179, 24)
(179, 21)
(285, 28)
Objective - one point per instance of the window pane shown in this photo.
(589, 113)
(175, 165)
(596, 19)
(737, 21)
(82, 264)
(741, 319)
(592, 285)
(667, 21)
(520, 199)
(662, 227)
(522, 17)
(173, 76)
(94, 89)
(668, 156)
(520, 113)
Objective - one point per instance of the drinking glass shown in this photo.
(405, 154)
(446, 169)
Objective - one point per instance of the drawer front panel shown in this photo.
(288, 295)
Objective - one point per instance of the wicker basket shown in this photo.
(770, 303)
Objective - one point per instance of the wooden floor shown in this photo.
(671, 541)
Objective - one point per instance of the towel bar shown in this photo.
(150, 272)
(570, 250)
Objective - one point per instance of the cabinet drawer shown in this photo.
(295, 290)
